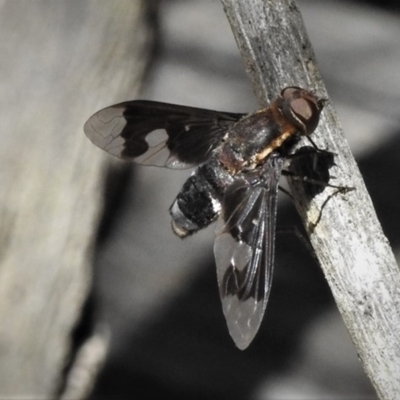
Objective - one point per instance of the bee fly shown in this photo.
(239, 161)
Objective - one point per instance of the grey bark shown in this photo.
(61, 61)
(353, 252)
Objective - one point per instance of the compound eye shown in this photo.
(306, 113)
(302, 109)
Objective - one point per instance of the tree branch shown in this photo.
(348, 240)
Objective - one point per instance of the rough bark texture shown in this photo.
(353, 252)
(61, 61)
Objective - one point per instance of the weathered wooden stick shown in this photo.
(353, 252)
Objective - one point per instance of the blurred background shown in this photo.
(120, 275)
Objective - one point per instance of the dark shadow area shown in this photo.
(311, 167)
(384, 4)
(381, 175)
(83, 330)
(119, 177)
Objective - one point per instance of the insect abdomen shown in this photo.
(198, 203)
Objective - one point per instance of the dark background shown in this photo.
(159, 295)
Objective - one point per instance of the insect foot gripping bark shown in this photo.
(239, 161)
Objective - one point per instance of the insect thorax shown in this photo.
(254, 138)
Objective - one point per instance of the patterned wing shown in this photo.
(159, 134)
(244, 249)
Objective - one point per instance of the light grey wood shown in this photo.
(352, 250)
(61, 61)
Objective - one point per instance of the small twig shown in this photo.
(348, 240)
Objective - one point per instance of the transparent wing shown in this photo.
(244, 249)
(159, 134)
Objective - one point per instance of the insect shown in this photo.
(239, 161)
